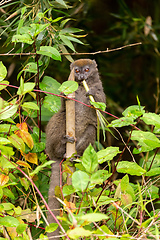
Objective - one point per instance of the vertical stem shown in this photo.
(38, 98)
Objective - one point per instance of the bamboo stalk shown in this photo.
(70, 124)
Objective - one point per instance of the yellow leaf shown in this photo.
(24, 134)
(31, 157)
(3, 179)
(70, 205)
(23, 164)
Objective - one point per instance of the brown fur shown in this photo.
(85, 126)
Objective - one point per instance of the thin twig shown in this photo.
(75, 53)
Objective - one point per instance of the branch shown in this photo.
(75, 53)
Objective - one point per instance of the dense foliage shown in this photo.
(119, 200)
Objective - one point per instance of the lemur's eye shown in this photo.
(77, 70)
(86, 69)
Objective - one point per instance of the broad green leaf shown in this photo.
(4, 141)
(21, 228)
(68, 87)
(101, 230)
(107, 154)
(153, 172)
(103, 200)
(9, 221)
(51, 227)
(66, 41)
(131, 168)
(3, 86)
(90, 159)
(30, 105)
(78, 232)
(25, 38)
(151, 119)
(94, 217)
(3, 71)
(50, 52)
(147, 141)
(39, 168)
(124, 182)
(68, 190)
(135, 111)
(17, 142)
(52, 103)
(28, 87)
(7, 206)
(1, 195)
(100, 105)
(8, 193)
(123, 121)
(99, 176)
(80, 180)
(64, 50)
(31, 67)
(8, 112)
(49, 84)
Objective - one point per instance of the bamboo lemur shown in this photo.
(85, 123)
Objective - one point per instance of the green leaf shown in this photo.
(66, 41)
(50, 52)
(9, 221)
(51, 227)
(68, 87)
(52, 103)
(17, 142)
(107, 154)
(68, 190)
(99, 176)
(21, 228)
(49, 84)
(134, 111)
(38, 28)
(30, 105)
(151, 119)
(124, 182)
(8, 193)
(78, 232)
(3, 86)
(73, 39)
(1, 195)
(8, 127)
(80, 180)
(8, 112)
(3, 71)
(31, 67)
(90, 159)
(100, 105)
(123, 121)
(25, 38)
(7, 206)
(39, 168)
(94, 217)
(131, 168)
(28, 87)
(153, 172)
(147, 141)
(4, 141)
(62, 3)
